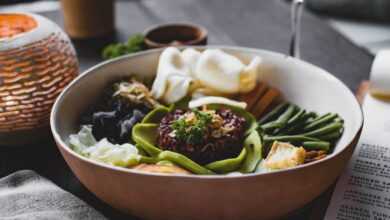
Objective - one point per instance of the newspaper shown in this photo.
(363, 191)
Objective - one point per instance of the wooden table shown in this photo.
(260, 24)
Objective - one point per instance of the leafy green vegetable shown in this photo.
(134, 44)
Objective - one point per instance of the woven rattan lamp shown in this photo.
(37, 60)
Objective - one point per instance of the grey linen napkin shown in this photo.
(26, 195)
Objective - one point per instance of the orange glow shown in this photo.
(13, 24)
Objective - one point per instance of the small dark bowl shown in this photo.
(175, 34)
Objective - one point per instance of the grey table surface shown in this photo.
(260, 24)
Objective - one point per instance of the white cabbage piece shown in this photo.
(85, 144)
(124, 155)
(82, 140)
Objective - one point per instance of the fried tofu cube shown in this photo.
(284, 155)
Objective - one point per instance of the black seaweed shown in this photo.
(114, 117)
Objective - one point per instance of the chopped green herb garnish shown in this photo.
(192, 131)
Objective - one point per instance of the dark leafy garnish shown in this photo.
(127, 123)
(117, 112)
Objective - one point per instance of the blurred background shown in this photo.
(365, 22)
(328, 28)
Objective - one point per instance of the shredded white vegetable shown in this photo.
(215, 100)
(85, 144)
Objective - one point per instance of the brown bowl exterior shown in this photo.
(171, 198)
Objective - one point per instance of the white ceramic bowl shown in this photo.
(253, 196)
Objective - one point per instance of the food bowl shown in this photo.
(251, 196)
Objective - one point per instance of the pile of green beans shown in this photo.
(289, 123)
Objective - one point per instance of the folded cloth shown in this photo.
(378, 10)
(26, 195)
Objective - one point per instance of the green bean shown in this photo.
(253, 147)
(289, 138)
(331, 136)
(310, 120)
(296, 117)
(281, 121)
(274, 113)
(297, 125)
(324, 130)
(316, 145)
(321, 117)
(314, 114)
(283, 118)
(227, 165)
(316, 123)
(184, 162)
(293, 120)
(338, 119)
(271, 125)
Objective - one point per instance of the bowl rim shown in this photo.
(64, 146)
